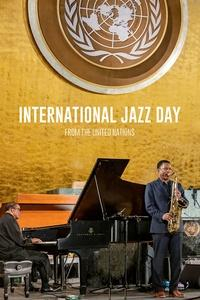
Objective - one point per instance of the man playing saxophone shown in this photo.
(164, 200)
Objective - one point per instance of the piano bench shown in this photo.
(15, 269)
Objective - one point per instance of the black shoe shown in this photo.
(34, 289)
(47, 290)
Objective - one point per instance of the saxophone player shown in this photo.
(157, 202)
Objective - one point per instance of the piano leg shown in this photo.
(59, 259)
(62, 266)
(55, 268)
(84, 255)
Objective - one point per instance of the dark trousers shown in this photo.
(42, 265)
(40, 262)
(165, 244)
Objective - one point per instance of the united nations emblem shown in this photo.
(109, 46)
(192, 228)
(114, 34)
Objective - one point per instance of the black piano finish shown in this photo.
(85, 237)
(105, 207)
(84, 233)
(104, 184)
(48, 233)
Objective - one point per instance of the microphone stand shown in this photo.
(125, 220)
(125, 263)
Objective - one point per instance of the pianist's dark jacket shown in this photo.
(11, 240)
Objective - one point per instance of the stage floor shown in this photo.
(116, 295)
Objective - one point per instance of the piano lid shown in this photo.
(106, 194)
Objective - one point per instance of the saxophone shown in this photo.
(175, 211)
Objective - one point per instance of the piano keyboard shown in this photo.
(48, 243)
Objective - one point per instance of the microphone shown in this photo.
(120, 213)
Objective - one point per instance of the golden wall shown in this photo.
(35, 158)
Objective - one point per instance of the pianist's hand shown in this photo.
(36, 241)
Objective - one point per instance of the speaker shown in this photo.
(191, 274)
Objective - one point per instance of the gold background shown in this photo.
(35, 158)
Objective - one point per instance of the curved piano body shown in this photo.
(109, 209)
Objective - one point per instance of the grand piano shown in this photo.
(109, 210)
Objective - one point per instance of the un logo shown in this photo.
(109, 46)
(114, 34)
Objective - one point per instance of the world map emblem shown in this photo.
(114, 34)
(109, 46)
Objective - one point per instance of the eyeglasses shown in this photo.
(17, 208)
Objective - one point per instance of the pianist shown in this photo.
(12, 245)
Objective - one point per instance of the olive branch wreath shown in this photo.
(84, 42)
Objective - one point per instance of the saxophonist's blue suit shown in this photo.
(157, 202)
